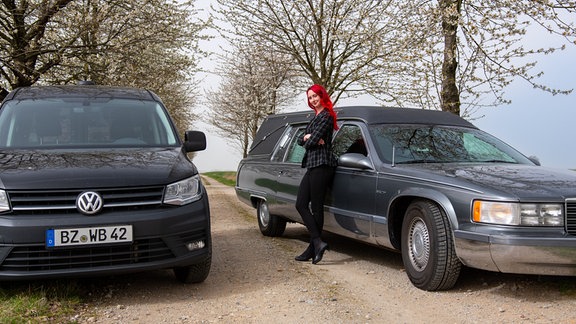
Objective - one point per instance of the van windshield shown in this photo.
(44, 123)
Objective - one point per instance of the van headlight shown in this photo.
(505, 213)
(4, 204)
(183, 192)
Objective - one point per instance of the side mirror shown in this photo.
(194, 141)
(355, 160)
(534, 160)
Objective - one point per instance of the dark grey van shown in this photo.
(95, 180)
(425, 183)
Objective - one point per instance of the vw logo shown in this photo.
(89, 203)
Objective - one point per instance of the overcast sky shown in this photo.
(535, 123)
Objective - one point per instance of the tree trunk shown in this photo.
(450, 96)
(245, 144)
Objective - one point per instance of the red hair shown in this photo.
(324, 100)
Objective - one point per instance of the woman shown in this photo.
(320, 164)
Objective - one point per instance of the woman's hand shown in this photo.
(307, 136)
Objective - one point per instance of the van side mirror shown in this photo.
(194, 141)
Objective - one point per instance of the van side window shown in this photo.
(349, 139)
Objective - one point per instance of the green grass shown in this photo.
(225, 177)
(39, 301)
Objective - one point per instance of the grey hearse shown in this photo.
(428, 184)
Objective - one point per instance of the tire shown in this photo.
(270, 225)
(195, 273)
(428, 250)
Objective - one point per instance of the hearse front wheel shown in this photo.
(428, 250)
(270, 225)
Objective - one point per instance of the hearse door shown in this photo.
(352, 198)
(289, 172)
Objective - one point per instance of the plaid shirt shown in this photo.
(320, 127)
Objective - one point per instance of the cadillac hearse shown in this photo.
(428, 184)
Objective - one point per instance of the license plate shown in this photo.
(88, 235)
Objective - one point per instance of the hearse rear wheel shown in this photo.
(270, 225)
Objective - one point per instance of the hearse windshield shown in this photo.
(441, 144)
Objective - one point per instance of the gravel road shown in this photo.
(254, 279)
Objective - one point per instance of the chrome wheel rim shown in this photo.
(264, 215)
(419, 244)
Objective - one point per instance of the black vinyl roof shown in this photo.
(272, 128)
(392, 115)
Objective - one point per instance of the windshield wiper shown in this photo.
(498, 161)
(418, 161)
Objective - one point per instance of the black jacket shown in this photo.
(320, 127)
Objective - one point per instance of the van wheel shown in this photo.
(428, 250)
(195, 273)
(270, 225)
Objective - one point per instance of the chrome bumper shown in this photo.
(523, 255)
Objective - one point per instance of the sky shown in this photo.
(536, 123)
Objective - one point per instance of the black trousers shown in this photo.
(310, 199)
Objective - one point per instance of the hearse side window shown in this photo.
(349, 139)
(288, 149)
(280, 151)
(295, 152)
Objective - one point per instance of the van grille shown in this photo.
(64, 201)
(36, 257)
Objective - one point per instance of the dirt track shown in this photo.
(254, 279)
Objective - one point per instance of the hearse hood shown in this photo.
(78, 169)
(522, 181)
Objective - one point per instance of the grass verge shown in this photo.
(225, 177)
(41, 301)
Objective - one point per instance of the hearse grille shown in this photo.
(64, 201)
(37, 257)
(571, 216)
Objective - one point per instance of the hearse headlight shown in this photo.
(183, 192)
(542, 214)
(504, 213)
(4, 204)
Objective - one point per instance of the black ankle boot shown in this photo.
(319, 249)
(307, 254)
